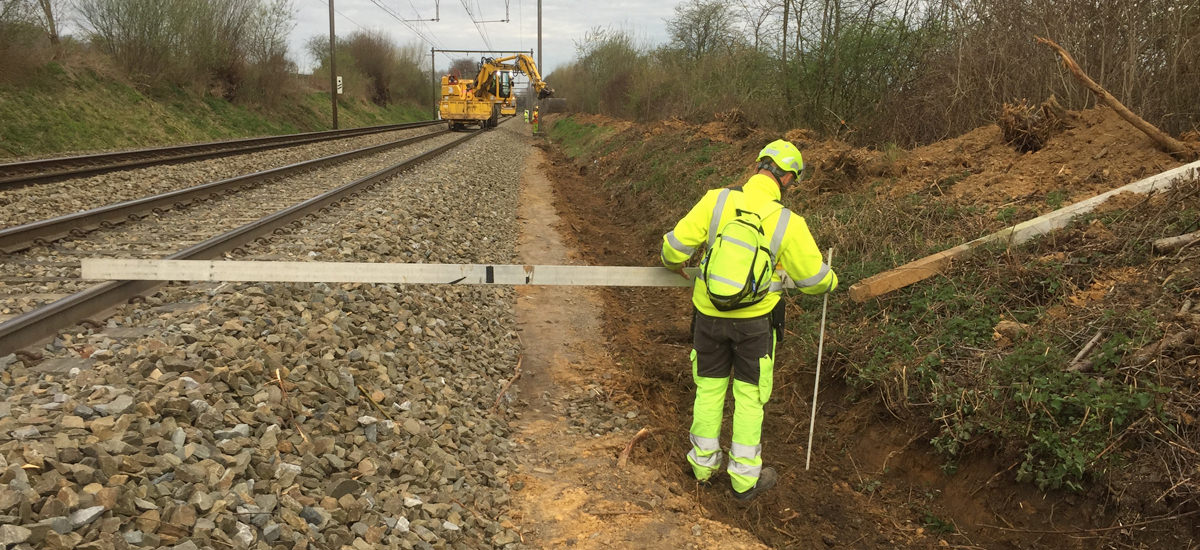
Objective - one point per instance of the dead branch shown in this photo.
(1095, 529)
(642, 434)
(381, 410)
(1078, 364)
(288, 406)
(1171, 244)
(516, 375)
(1164, 345)
(1169, 144)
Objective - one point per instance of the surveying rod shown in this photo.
(812, 419)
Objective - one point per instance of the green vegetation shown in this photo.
(228, 76)
(577, 138)
(57, 112)
(661, 163)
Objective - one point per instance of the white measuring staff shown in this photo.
(812, 418)
(123, 269)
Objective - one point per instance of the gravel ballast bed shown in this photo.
(176, 432)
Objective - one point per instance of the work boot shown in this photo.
(766, 480)
(691, 474)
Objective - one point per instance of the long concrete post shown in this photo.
(433, 79)
(540, 68)
(332, 67)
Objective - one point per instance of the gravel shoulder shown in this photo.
(572, 425)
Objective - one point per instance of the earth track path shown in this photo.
(573, 425)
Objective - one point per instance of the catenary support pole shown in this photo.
(332, 67)
(812, 420)
(433, 80)
(541, 67)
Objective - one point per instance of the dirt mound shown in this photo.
(1096, 152)
(727, 127)
(835, 165)
(1101, 152)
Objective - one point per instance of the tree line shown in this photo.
(902, 71)
(235, 49)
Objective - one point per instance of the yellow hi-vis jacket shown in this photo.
(792, 246)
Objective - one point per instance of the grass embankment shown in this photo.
(982, 352)
(57, 111)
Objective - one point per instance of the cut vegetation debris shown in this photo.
(1026, 397)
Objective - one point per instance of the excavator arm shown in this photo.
(489, 67)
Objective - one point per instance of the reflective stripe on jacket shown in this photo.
(798, 253)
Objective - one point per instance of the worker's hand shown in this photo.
(679, 269)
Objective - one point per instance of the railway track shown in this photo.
(21, 237)
(39, 285)
(18, 174)
(69, 196)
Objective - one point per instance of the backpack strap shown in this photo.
(715, 225)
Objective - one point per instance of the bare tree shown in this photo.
(48, 9)
(464, 68)
(701, 27)
(754, 14)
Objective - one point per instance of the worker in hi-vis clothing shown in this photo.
(740, 338)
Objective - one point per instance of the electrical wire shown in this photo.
(344, 16)
(426, 39)
(475, 22)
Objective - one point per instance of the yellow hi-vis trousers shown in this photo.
(745, 347)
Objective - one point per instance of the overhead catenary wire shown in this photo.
(474, 21)
(427, 39)
(344, 16)
(436, 12)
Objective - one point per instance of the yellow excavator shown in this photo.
(480, 101)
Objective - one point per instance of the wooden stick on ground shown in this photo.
(381, 410)
(507, 384)
(1170, 244)
(642, 434)
(1169, 144)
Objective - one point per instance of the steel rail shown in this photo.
(29, 328)
(18, 174)
(24, 236)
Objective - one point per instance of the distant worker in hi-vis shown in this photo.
(526, 116)
(738, 314)
(535, 120)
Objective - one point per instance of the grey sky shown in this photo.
(563, 23)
